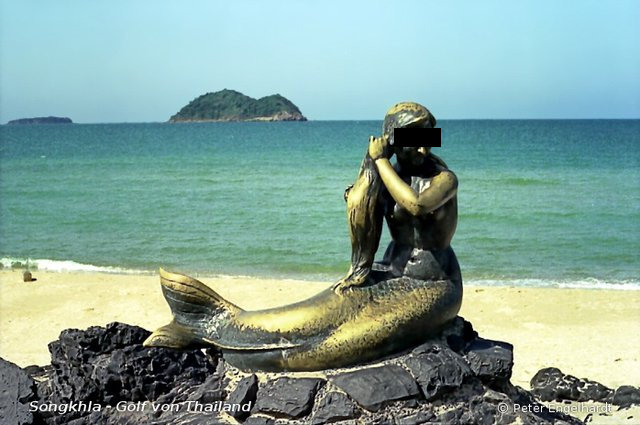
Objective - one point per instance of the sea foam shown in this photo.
(587, 283)
(63, 266)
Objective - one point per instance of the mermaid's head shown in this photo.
(408, 114)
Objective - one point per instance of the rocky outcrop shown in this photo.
(245, 394)
(375, 387)
(17, 389)
(104, 375)
(41, 120)
(285, 397)
(550, 384)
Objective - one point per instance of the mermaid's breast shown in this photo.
(433, 230)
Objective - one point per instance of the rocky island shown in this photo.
(41, 120)
(230, 105)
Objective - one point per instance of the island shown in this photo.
(41, 120)
(231, 105)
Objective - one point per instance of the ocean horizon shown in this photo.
(541, 202)
(310, 120)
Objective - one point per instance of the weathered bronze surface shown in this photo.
(377, 308)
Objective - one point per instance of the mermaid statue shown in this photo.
(377, 308)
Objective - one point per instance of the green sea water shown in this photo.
(541, 202)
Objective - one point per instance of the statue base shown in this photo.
(105, 375)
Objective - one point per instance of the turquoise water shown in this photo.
(541, 202)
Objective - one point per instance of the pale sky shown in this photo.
(142, 60)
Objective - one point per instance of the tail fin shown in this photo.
(194, 306)
(170, 336)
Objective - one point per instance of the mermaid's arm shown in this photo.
(442, 188)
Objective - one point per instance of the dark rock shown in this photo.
(458, 334)
(551, 384)
(37, 372)
(490, 360)
(148, 417)
(488, 409)
(136, 373)
(287, 397)
(411, 403)
(95, 418)
(108, 365)
(451, 416)
(334, 407)
(437, 369)
(245, 392)
(626, 395)
(531, 412)
(210, 390)
(180, 392)
(17, 390)
(418, 418)
(259, 420)
(187, 418)
(75, 347)
(375, 387)
(594, 391)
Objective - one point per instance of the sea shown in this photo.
(541, 202)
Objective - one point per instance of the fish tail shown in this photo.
(195, 307)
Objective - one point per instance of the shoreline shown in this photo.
(18, 264)
(70, 266)
(584, 332)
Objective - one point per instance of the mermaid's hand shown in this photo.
(341, 286)
(379, 147)
(347, 284)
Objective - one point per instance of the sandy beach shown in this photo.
(587, 333)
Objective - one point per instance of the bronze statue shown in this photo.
(377, 308)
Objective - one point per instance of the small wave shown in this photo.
(587, 283)
(63, 266)
(524, 181)
(296, 279)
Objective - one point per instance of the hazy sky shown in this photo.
(132, 61)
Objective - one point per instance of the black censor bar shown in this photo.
(416, 137)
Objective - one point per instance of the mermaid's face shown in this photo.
(412, 155)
